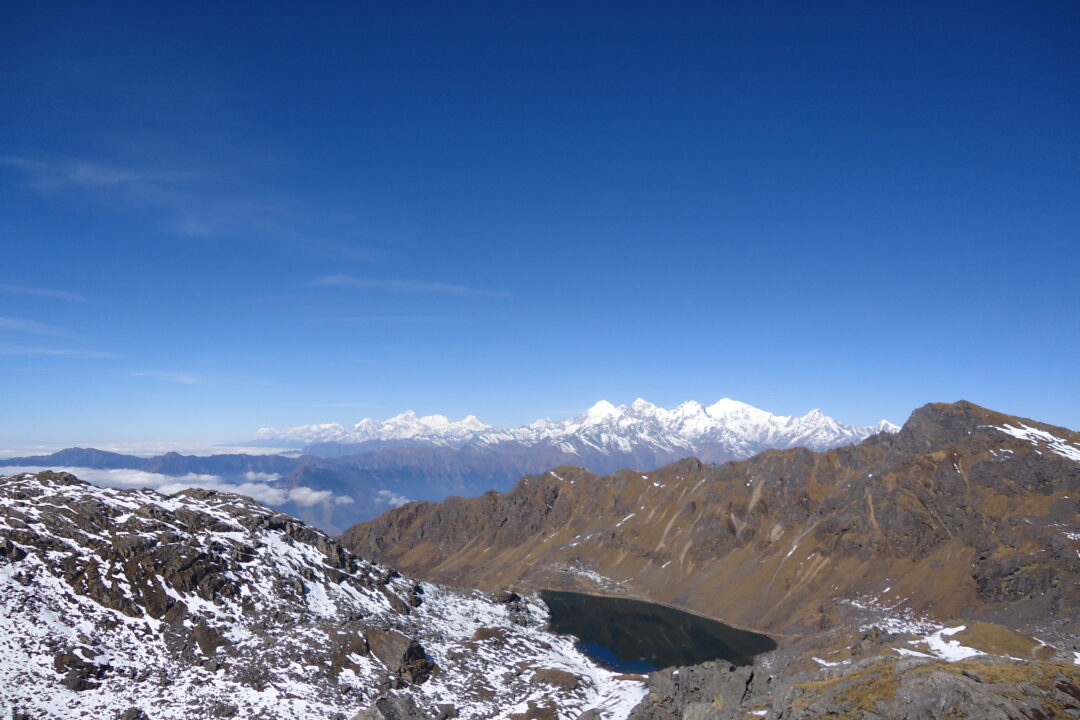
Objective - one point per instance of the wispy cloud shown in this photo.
(47, 335)
(43, 292)
(54, 176)
(181, 378)
(55, 352)
(405, 286)
(202, 205)
(390, 319)
(32, 327)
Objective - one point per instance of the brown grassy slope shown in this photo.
(951, 516)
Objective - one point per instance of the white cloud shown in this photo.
(306, 497)
(261, 476)
(388, 498)
(266, 494)
(168, 484)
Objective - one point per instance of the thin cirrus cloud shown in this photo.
(32, 327)
(53, 176)
(422, 287)
(193, 209)
(172, 377)
(56, 352)
(44, 293)
(45, 334)
(390, 319)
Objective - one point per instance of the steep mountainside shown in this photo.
(964, 514)
(131, 604)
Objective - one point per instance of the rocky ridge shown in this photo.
(132, 604)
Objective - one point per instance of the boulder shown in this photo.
(402, 656)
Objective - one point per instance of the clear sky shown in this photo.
(217, 218)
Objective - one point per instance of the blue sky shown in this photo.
(214, 219)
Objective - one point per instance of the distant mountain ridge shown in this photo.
(725, 430)
(343, 476)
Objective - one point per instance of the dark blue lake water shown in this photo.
(639, 637)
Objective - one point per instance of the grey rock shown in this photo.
(719, 685)
(393, 707)
(401, 655)
(703, 711)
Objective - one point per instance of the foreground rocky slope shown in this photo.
(965, 514)
(128, 603)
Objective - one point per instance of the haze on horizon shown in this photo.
(216, 220)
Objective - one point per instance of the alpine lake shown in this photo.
(634, 636)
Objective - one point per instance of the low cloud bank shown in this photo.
(258, 487)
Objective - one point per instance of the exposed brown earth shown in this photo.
(952, 518)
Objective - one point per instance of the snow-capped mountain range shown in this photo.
(725, 430)
(335, 475)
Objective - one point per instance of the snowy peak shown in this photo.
(884, 426)
(430, 429)
(641, 432)
(600, 412)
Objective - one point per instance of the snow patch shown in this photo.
(1035, 436)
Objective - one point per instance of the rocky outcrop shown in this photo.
(207, 605)
(403, 656)
(882, 686)
(985, 504)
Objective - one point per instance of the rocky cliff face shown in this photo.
(131, 604)
(964, 514)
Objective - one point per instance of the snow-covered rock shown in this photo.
(206, 604)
